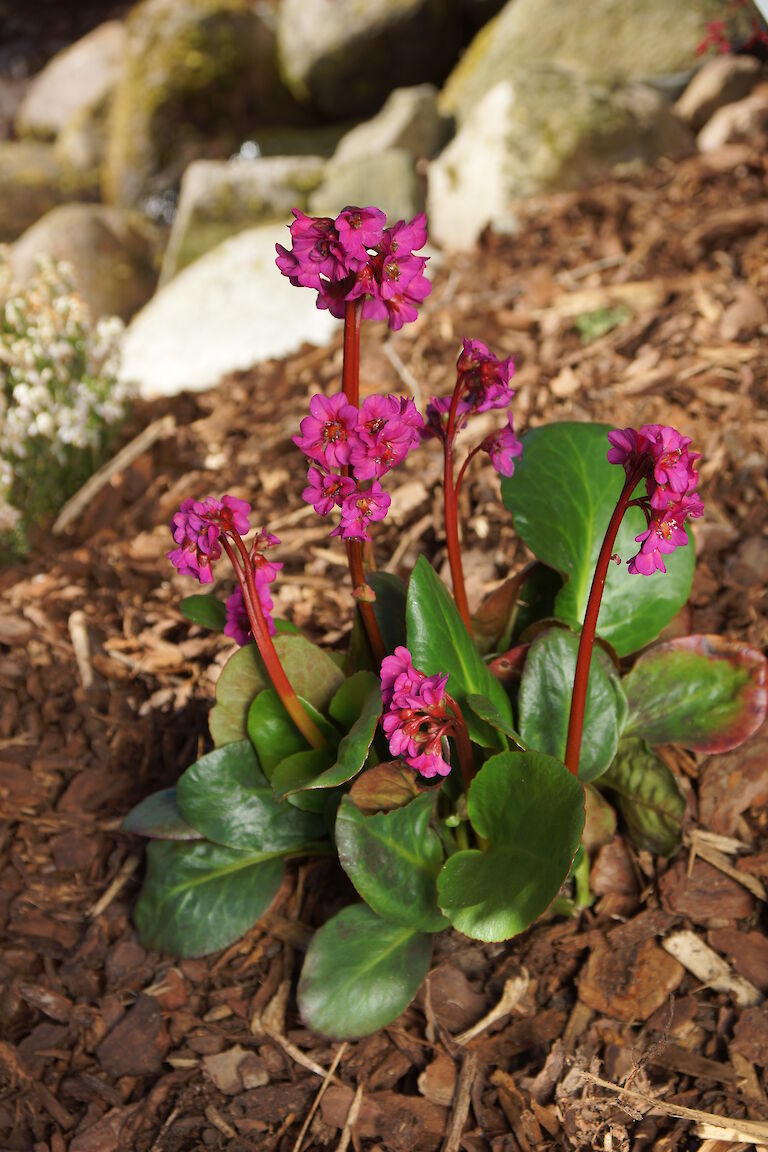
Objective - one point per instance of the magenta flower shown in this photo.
(360, 509)
(327, 490)
(326, 433)
(238, 626)
(385, 435)
(503, 447)
(416, 716)
(360, 229)
(196, 529)
(482, 378)
(316, 253)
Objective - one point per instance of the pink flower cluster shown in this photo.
(415, 714)
(196, 529)
(482, 384)
(350, 449)
(238, 626)
(354, 257)
(661, 456)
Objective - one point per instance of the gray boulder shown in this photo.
(389, 180)
(611, 41)
(112, 254)
(229, 310)
(219, 199)
(199, 76)
(410, 119)
(32, 181)
(344, 57)
(547, 127)
(78, 79)
(722, 80)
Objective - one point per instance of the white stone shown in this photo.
(80, 77)
(229, 310)
(722, 80)
(409, 120)
(741, 122)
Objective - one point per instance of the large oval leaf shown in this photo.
(704, 692)
(206, 610)
(545, 702)
(354, 748)
(200, 897)
(647, 795)
(274, 734)
(158, 817)
(561, 496)
(438, 641)
(529, 810)
(312, 673)
(229, 799)
(360, 973)
(393, 859)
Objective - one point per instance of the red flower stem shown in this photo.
(462, 470)
(267, 651)
(450, 511)
(463, 745)
(587, 638)
(353, 314)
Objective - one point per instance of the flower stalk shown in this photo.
(451, 512)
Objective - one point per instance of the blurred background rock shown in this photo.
(158, 147)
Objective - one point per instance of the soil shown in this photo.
(107, 1046)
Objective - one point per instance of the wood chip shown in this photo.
(705, 964)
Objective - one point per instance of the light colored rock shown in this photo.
(199, 77)
(229, 310)
(112, 254)
(219, 199)
(611, 41)
(345, 57)
(722, 80)
(32, 181)
(742, 122)
(409, 119)
(389, 180)
(546, 128)
(79, 78)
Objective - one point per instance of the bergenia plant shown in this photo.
(445, 759)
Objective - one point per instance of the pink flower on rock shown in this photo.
(504, 448)
(327, 431)
(416, 714)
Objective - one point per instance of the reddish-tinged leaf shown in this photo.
(384, 787)
(705, 692)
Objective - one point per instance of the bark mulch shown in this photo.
(105, 688)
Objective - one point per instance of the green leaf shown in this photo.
(438, 641)
(384, 787)
(529, 810)
(354, 748)
(312, 673)
(350, 700)
(393, 859)
(207, 610)
(647, 796)
(562, 496)
(200, 897)
(158, 816)
(274, 734)
(704, 692)
(291, 777)
(483, 708)
(360, 973)
(545, 702)
(389, 607)
(229, 799)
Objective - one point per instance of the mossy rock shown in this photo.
(343, 58)
(610, 41)
(32, 181)
(388, 180)
(199, 75)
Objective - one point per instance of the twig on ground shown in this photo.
(351, 1120)
(320, 1093)
(514, 990)
(127, 869)
(81, 646)
(462, 1100)
(719, 860)
(710, 968)
(157, 430)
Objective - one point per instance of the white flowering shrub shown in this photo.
(60, 400)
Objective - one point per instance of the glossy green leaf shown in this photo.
(312, 673)
(354, 748)
(562, 496)
(348, 703)
(483, 708)
(384, 787)
(229, 799)
(647, 796)
(206, 610)
(545, 702)
(389, 607)
(393, 859)
(439, 642)
(529, 810)
(704, 692)
(200, 897)
(360, 973)
(292, 775)
(158, 817)
(274, 734)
